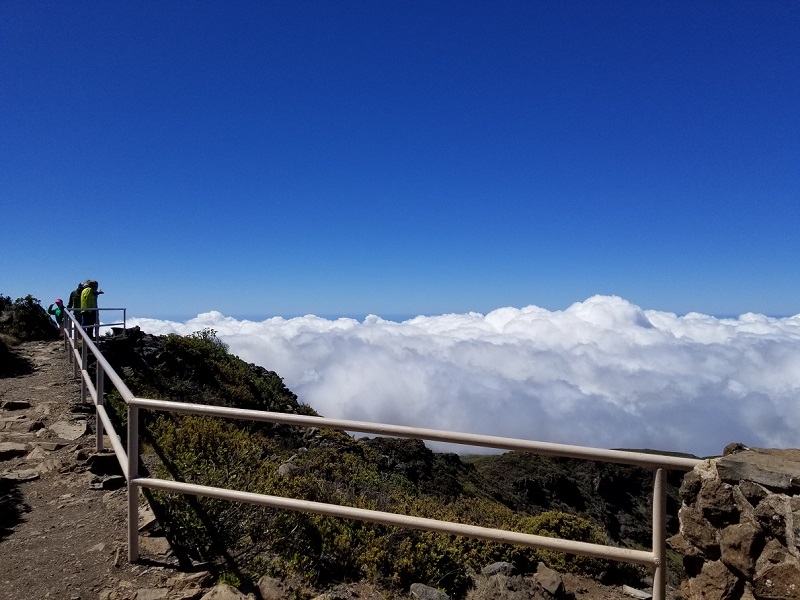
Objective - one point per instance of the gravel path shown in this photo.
(62, 535)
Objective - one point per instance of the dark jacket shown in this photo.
(75, 300)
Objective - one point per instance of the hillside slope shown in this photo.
(586, 501)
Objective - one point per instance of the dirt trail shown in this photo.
(62, 535)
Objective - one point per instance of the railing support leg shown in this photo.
(84, 367)
(98, 422)
(660, 534)
(133, 489)
(75, 368)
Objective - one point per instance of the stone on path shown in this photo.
(550, 580)
(630, 591)
(155, 546)
(19, 423)
(151, 593)
(69, 430)
(49, 446)
(223, 591)
(23, 475)
(37, 453)
(15, 404)
(9, 450)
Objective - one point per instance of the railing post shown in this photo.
(660, 534)
(133, 490)
(72, 350)
(84, 367)
(98, 422)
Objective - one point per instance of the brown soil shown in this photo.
(62, 536)
(59, 538)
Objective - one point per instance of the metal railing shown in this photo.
(129, 462)
(97, 326)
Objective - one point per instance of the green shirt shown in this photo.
(57, 311)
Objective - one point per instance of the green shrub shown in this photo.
(26, 320)
(566, 526)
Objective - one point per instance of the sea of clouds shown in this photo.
(602, 373)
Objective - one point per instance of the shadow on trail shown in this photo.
(12, 364)
(11, 507)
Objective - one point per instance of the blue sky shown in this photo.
(401, 158)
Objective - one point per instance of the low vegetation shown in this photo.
(24, 319)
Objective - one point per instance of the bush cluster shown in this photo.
(26, 320)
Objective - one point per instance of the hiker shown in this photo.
(89, 301)
(57, 310)
(74, 303)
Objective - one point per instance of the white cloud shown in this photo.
(601, 373)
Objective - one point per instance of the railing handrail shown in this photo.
(98, 309)
(642, 459)
(129, 461)
(640, 557)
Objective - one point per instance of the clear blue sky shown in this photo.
(263, 158)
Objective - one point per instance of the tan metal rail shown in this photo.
(98, 326)
(129, 461)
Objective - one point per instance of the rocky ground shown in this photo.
(63, 512)
(62, 527)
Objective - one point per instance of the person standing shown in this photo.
(89, 301)
(74, 302)
(57, 310)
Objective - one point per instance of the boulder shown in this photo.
(740, 545)
(715, 502)
(715, 581)
(698, 532)
(104, 463)
(550, 580)
(9, 450)
(498, 568)
(183, 582)
(772, 468)
(779, 581)
(272, 588)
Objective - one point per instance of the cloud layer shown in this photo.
(601, 373)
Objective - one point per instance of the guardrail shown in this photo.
(98, 326)
(129, 462)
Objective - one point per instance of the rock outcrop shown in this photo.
(740, 526)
